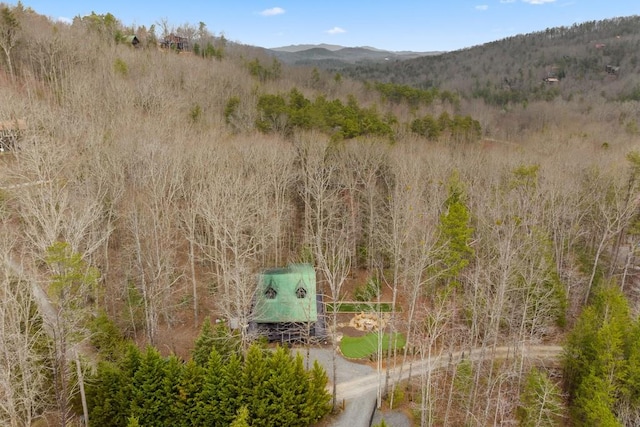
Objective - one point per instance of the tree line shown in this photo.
(218, 386)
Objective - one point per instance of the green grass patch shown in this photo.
(360, 307)
(367, 345)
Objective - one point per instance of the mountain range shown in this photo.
(335, 56)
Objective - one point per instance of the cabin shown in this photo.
(287, 306)
(175, 42)
(10, 132)
(612, 69)
(132, 40)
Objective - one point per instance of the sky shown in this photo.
(400, 25)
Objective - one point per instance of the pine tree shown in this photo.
(232, 397)
(254, 376)
(148, 389)
(596, 361)
(210, 411)
(173, 408)
(284, 394)
(593, 403)
(319, 399)
(455, 232)
(219, 337)
(110, 390)
(190, 389)
(204, 344)
(628, 407)
(105, 396)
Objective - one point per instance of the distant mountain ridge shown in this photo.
(327, 55)
(331, 47)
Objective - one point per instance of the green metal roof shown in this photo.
(286, 295)
(131, 39)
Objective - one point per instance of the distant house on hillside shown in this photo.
(132, 40)
(612, 69)
(553, 75)
(175, 42)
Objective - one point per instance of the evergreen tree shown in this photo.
(73, 283)
(174, 410)
(190, 389)
(254, 376)
(283, 392)
(204, 344)
(232, 397)
(149, 390)
(631, 389)
(596, 360)
(593, 403)
(110, 389)
(107, 396)
(455, 232)
(210, 411)
(319, 399)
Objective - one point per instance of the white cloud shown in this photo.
(336, 30)
(507, 1)
(65, 20)
(538, 1)
(482, 7)
(273, 11)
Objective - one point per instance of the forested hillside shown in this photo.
(512, 70)
(142, 189)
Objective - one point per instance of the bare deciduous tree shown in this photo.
(9, 34)
(152, 225)
(233, 221)
(24, 385)
(328, 229)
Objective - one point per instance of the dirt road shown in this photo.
(541, 354)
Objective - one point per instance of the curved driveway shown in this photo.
(357, 383)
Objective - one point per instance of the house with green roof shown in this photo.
(287, 303)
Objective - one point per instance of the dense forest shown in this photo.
(143, 188)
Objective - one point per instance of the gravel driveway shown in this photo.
(358, 410)
(357, 383)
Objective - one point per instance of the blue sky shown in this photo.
(416, 25)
